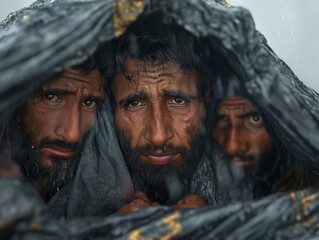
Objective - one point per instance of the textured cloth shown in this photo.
(37, 43)
(102, 183)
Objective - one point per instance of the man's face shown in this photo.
(54, 123)
(158, 114)
(240, 131)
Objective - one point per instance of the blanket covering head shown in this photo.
(39, 42)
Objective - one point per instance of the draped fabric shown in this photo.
(38, 42)
(101, 183)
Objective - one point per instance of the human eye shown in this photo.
(90, 103)
(254, 122)
(222, 118)
(178, 101)
(222, 121)
(256, 119)
(132, 102)
(50, 98)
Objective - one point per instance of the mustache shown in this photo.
(247, 158)
(57, 143)
(244, 158)
(150, 148)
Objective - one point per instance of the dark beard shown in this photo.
(165, 184)
(260, 183)
(29, 157)
(233, 183)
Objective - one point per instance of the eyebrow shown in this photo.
(58, 91)
(96, 98)
(142, 95)
(248, 114)
(172, 93)
(241, 116)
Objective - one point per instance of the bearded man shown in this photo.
(50, 128)
(158, 110)
(240, 131)
(253, 154)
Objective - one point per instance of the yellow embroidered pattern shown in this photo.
(126, 11)
(171, 223)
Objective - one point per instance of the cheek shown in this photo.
(121, 121)
(193, 114)
(218, 134)
(262, 143)
(37, 122)
(130, 126)
(87, 120)
(189, 125)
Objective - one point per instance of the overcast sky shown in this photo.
(290, 26)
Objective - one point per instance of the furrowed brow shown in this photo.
(58, 91)
(248, 114)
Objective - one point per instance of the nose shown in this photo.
(158, 128)
(235, 142)
(68, 126)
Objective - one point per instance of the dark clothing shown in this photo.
(37, 43)
(101, 183)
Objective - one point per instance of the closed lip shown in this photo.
(160, 158)
(65, 153)
(244, 163)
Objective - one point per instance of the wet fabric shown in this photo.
(39, 42)
(279, 216)
(32, 46)
(101, 183)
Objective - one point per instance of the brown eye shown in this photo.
(51, 97)
(178, 100)
(222, 121)
(135, 103)
(89, 103)
(222, 118)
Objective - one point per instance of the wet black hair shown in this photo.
(155, 38)
(227, 81)
(87, 66)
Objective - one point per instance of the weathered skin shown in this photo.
(240, 131)
(269, 81)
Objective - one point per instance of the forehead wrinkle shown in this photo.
(75, 86)
(78, 75)
(154, 69)
(160, 84)
(60, 85)
(98, 90)
(237, 110)
(148, 79)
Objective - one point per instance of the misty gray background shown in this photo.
(290, 26)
